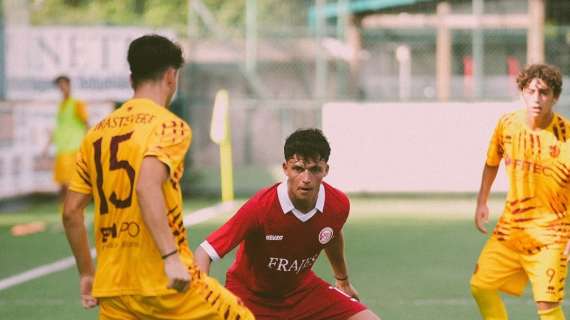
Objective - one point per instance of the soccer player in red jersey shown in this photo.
(281, 231)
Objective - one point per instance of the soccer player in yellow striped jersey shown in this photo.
(131, 164)
(530, 241)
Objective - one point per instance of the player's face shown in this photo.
(64, 87)
(538, 98)
(304, 177)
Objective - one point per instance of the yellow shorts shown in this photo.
(206, 299)
(501, 268)
(64, 167)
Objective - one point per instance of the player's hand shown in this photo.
(482, 217)
(567, 251)
(85, 287)
(346, 287)
(177, 273)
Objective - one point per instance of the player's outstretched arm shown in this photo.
(152, 175)
(335, 254)
(76, 233)
(202, 260)
(482, 210)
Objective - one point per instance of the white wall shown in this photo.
(411, 147)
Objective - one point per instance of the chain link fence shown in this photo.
(279, 72)
(296, 68)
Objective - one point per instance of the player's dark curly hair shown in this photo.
(61, 77)
(307, 143)
(547, 73)
(150, 56)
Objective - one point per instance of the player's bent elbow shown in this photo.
(69, 219)
(142, 188)
(66, 219)
(202, 260)
(147, 185)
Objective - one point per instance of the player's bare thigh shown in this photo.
(364, 315)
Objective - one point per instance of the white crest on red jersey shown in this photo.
(325, 235)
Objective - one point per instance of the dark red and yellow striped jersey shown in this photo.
(128, 261)
(538, 167)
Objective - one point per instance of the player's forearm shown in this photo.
(335, 254)
(76, 234)
(487, 179)
(202, 260)
(153, 210)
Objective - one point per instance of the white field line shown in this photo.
(65, 263)
(207, 213)
(468, 301)
(39, 272)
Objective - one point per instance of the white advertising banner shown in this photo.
(93, 57)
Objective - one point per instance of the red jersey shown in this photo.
(278, 244)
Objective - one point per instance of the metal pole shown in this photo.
(354, 40)
(535, 34)
(478, 49)
(403, 55)
(320, 59)
(3, 76)
(443, 53)
(251, 36)
(191, 21)
(341, 23)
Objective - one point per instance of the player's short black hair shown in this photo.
(547, 73)
(307, 143)
(150, 56)
(61, 77)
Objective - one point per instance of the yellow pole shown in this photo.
(226, 172)
(220, 133)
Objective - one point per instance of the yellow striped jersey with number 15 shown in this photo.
(128, 261)
(537, 162)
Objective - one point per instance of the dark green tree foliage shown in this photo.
(273, 15)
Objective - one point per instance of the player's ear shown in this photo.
(170, 76)
(326, 169)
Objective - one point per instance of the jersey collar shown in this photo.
(287, 206)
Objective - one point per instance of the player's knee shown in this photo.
(546, 305)
(477, 292)
(552, 311)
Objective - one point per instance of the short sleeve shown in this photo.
(81, 179)
(235, 230)
(169, 143)
(496, 150)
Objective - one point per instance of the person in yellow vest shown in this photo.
(71, 126)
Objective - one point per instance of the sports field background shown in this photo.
(410, 257)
